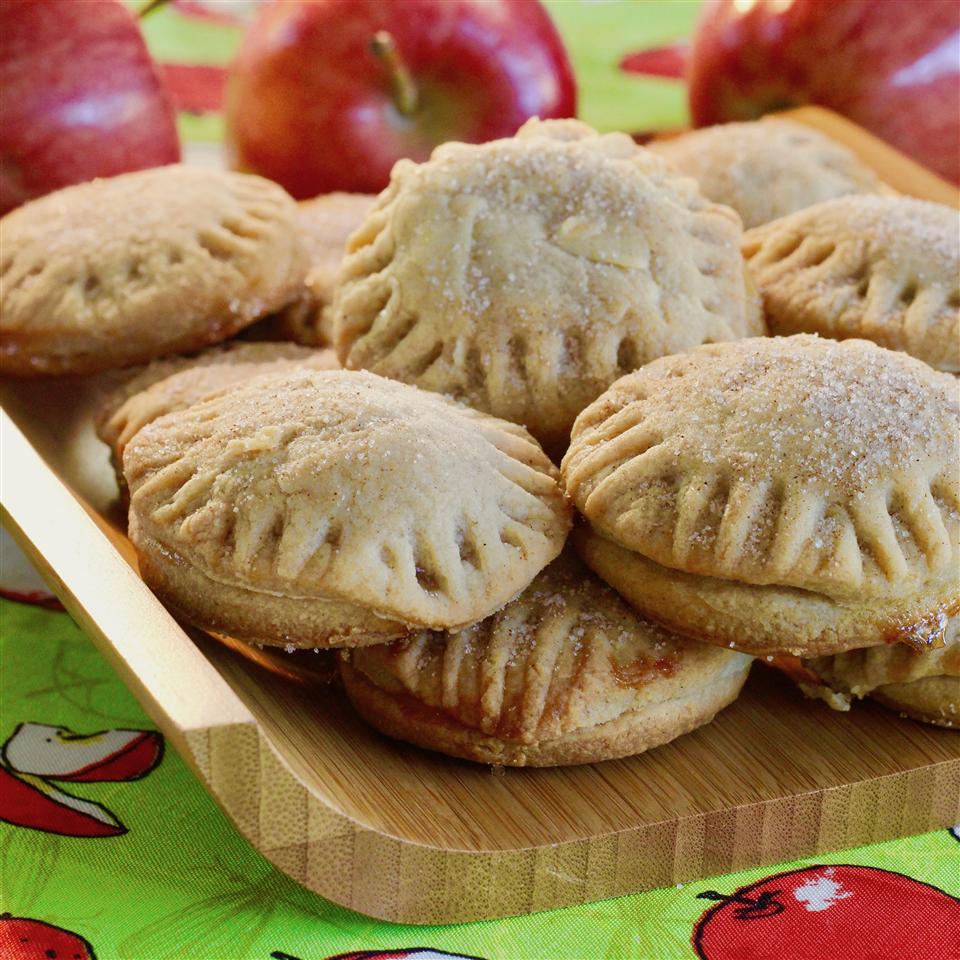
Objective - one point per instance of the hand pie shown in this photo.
(925, 686)
(523, 276)
(118, 271)
(882, 268)
(324, 224)
(767, 169)
(322, 508)
(566, 673)
(175, 383)
(785, 494)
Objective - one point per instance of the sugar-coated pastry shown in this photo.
(324, 508)
(523, 276)
(783, 494)
(769, 168)
(121, 270)
(566, 673)
(174, 383)
(886, 269)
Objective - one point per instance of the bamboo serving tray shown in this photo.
(409, 836)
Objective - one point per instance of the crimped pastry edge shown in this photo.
(404, 717)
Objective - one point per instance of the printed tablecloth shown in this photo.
(149, 867)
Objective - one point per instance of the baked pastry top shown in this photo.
(348, 487)
(324, 224)
(883, 268)
(173, 383)
(523, 276)
(801, 462)
(767, 169)
(565, 673)
(121, 270)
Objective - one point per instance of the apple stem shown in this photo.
(713, 895)
(765, 904)
(385, 50)
(149, 7)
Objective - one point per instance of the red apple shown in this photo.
(830, 911)
(891, 66)
(311, 105)
(81, 97)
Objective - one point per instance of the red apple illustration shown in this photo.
(326, 95)
(59, 754)
(891, 66)
(81, 97)
(830, 911)
(25, 939)
(28, 801)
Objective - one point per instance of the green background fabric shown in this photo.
(182, 883)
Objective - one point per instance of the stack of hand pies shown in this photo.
(559, 297)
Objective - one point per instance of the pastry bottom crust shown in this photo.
(260, 617)
(404, 717)
(860, 672)
(762, 620)
(933, 700)
(925, 686)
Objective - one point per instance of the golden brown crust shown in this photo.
(882, 268)
(765, 620)
(255, 616)
(347, 487)
(121, 270)
(525, 275)
(566, 673)
(792, 462)
(767, 169)
(324, 223)
(923, 685)
(175, 383)
(933, 700)
(860, 672)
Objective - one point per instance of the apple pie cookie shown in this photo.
(523, 276)
(769, 168)
(325, 223)
(174, 383)
(118, 271)
(566, 673)
(925, 686)
(319, 508)
(786, 494)
(883, 268)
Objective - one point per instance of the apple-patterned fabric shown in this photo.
(110, 848)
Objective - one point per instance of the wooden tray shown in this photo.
(408, 836)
